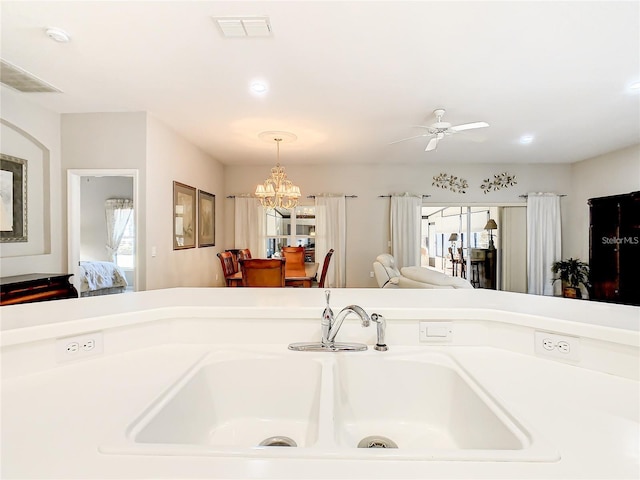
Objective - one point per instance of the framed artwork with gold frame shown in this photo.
(184, 216)
(206, 219)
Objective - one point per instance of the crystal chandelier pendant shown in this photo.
(278, 191)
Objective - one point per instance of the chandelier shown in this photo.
(277, 191)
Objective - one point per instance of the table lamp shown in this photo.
(453, 238)
(491, 225)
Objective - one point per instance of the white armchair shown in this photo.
(388, 276)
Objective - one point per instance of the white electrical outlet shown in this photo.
(557, 346)
(80, 346)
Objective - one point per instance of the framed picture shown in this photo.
(206, 219)
(184, 216)
(13, 198)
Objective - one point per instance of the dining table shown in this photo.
(293, 278)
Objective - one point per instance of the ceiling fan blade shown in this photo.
(469, 137)
(433, 143)
(410, 138)
(469, 126)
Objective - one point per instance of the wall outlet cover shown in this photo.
(557, 346)
(79, 347)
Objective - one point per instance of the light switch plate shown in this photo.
(436, 332)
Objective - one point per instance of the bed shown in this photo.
(101, 278)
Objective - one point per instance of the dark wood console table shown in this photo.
(36, 287)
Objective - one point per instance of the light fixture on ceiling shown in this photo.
(58, 35)
(526, 139)
(278, 191)
(634, 86)
(258, 87)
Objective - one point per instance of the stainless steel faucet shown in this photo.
(331, 326)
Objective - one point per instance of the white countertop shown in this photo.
(588, 416)
(55, 416)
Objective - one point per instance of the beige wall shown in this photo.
(105, 141)
(171, 158)
(33, 133)
(368, 215)
(611, 174)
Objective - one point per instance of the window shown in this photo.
(296, 228)
(125, 252)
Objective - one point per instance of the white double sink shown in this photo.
(426, 404)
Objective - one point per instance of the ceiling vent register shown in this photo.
(244, 26)
(23, 81)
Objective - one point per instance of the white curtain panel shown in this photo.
(250, 226)
(118, 211)
(331, 232)
(544, 241)
(405, 219)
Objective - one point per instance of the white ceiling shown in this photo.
(348, 78)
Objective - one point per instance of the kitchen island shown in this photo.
(83, 378)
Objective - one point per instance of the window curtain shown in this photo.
(250, 226)
(118, 211)
(512, 222)
(544, 241)
(405, 220)
(331, 232)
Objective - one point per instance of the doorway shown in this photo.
(87, 231)
(455, 240)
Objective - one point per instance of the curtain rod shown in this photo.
(526, 196)
(308, 196)
(389, 196)
(346, 196)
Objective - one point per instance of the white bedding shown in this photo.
(99, 275)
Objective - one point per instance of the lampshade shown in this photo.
(491, 225)
(453, 237)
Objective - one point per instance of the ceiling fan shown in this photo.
(440, 129)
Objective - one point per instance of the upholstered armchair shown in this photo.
(388, 276)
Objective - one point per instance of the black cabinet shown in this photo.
(614, 248)
(35, 287)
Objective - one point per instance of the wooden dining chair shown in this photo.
(262, 272)
(228, 268)
(244, 253)
(463, 263)
(295, 260)
(325, 268)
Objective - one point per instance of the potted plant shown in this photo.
(572, 273)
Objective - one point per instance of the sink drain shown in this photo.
(377, 441)
(278, 441)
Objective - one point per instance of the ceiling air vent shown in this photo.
(23, 81)
(244, 26)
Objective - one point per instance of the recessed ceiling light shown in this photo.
(258, 87)
(57, 34)
(634, 87)
(526, 139)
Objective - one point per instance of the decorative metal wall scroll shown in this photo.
(501, 180)
(453, 183)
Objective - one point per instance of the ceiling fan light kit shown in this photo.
(439, 130)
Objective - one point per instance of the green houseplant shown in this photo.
(572, 273)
